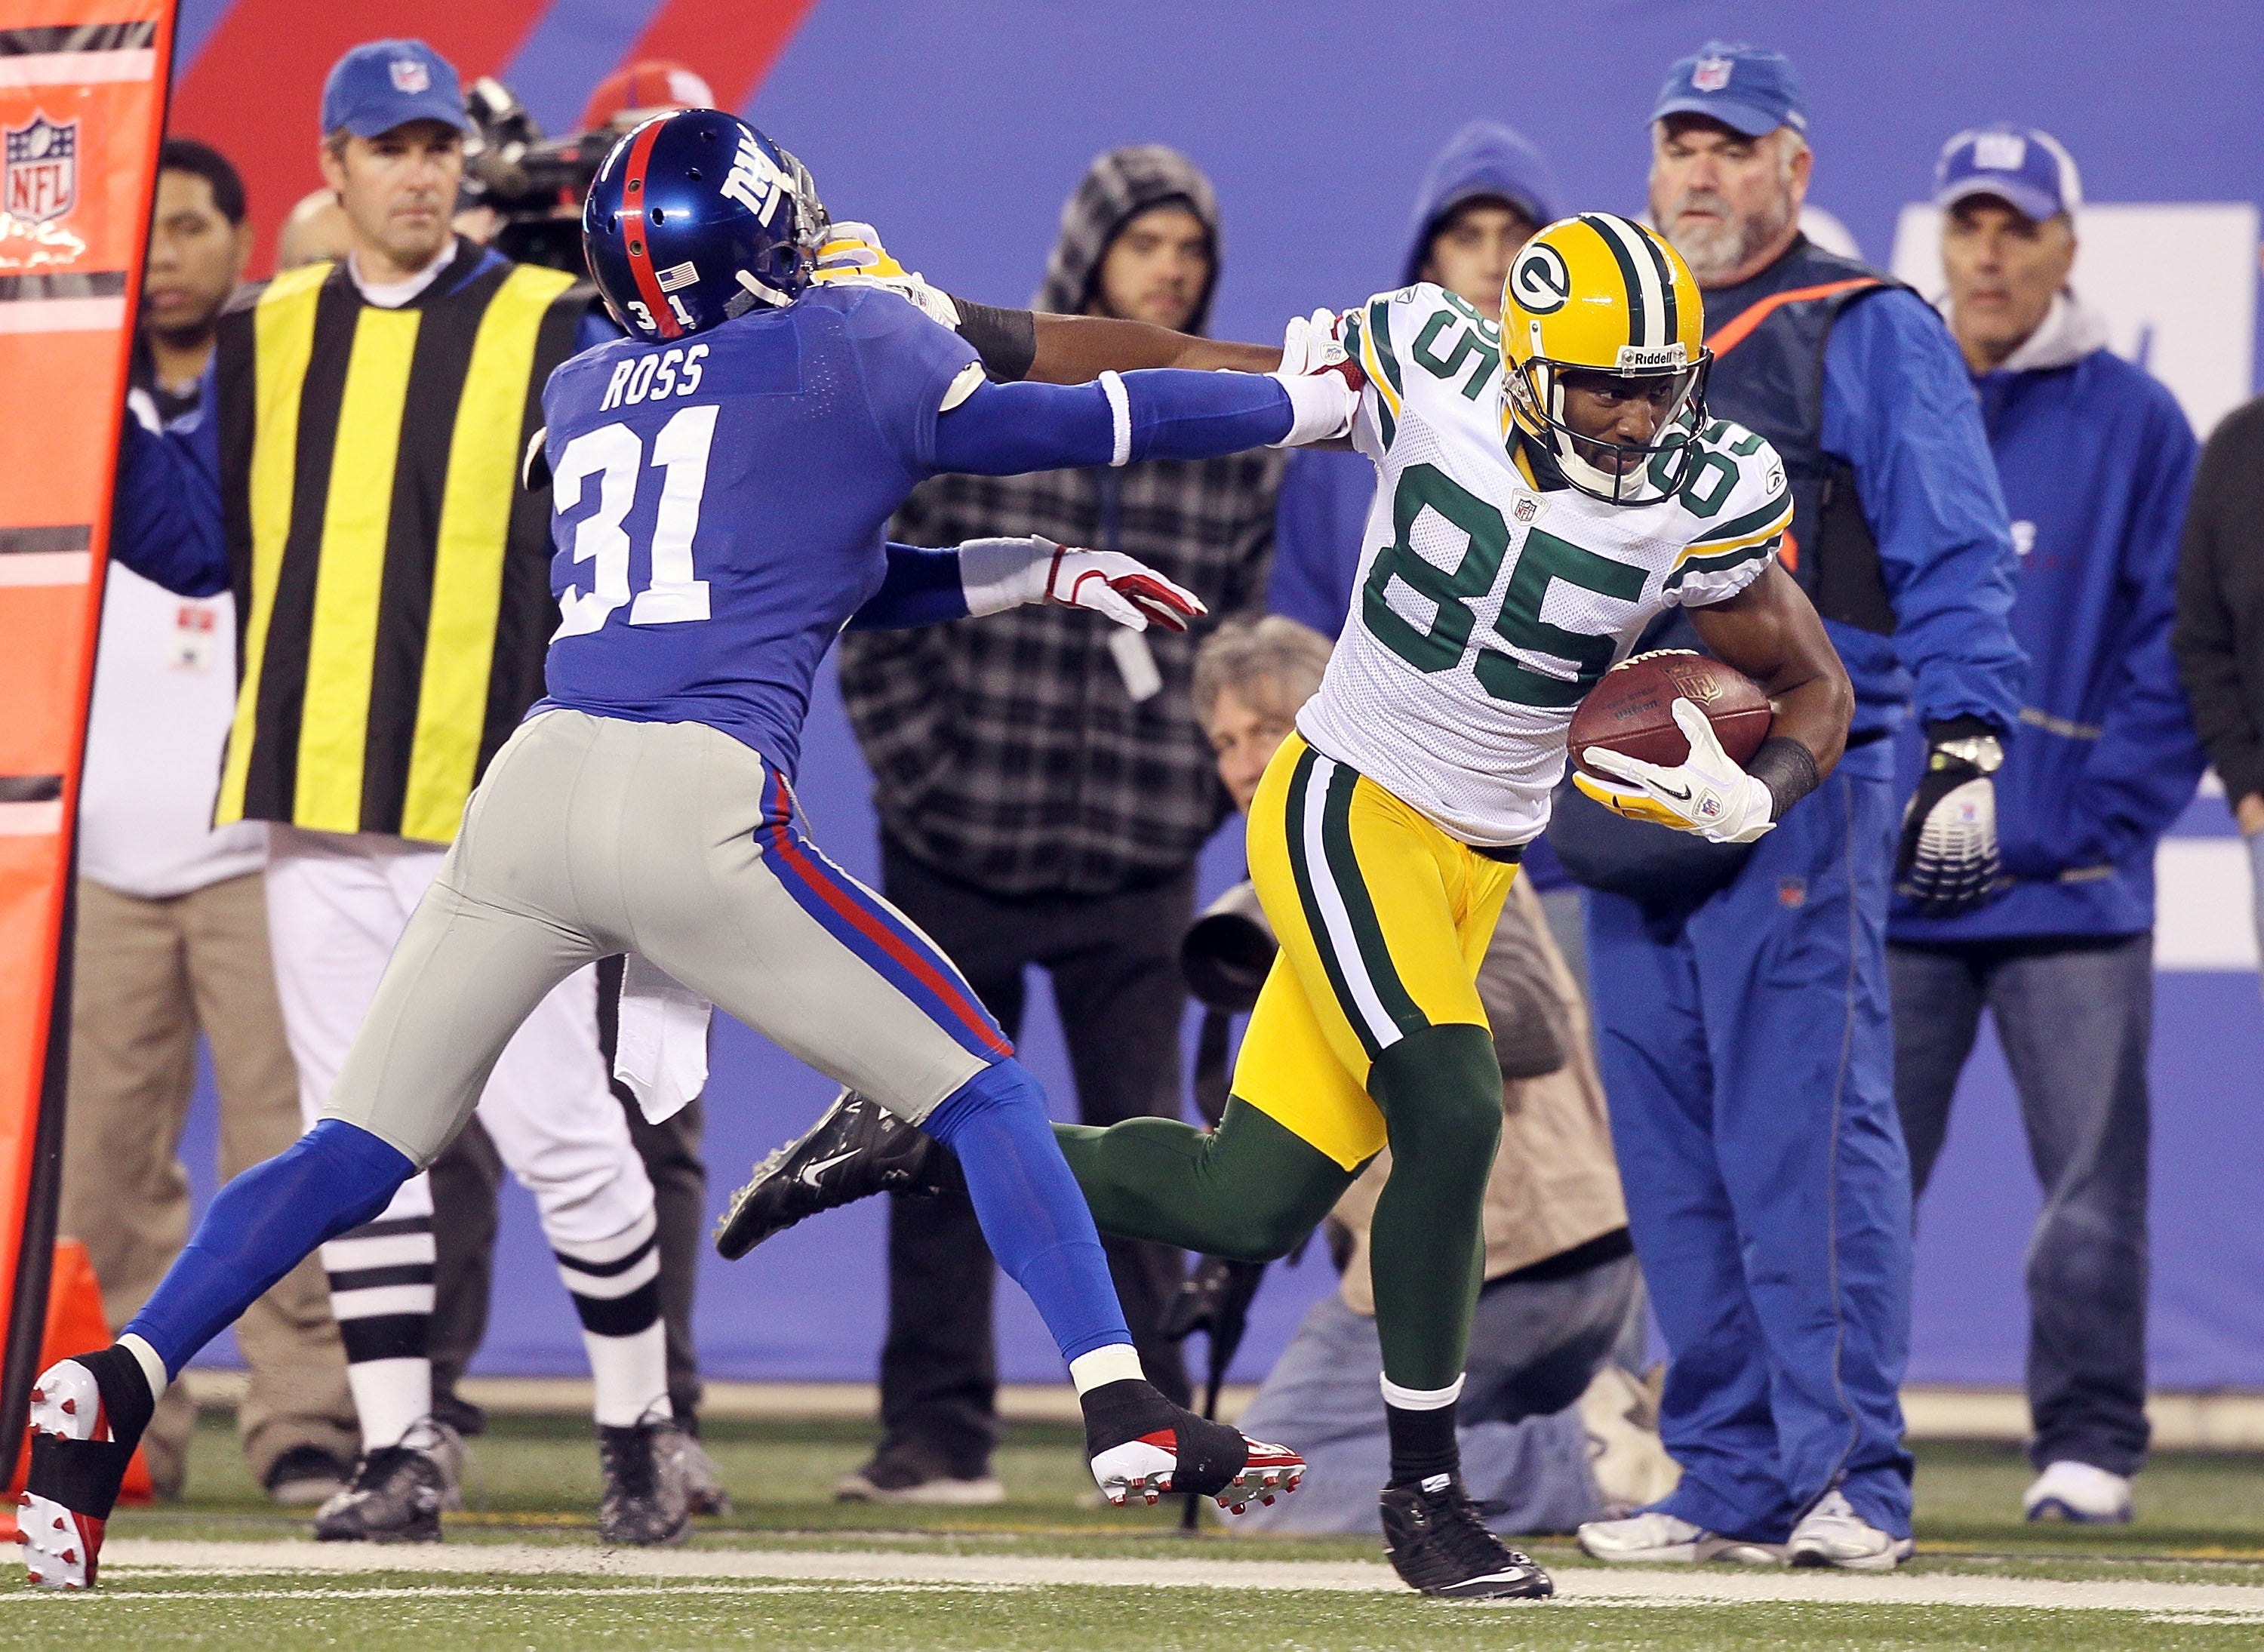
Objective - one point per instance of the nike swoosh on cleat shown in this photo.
(808, 1174)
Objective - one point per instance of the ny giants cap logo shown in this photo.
(410, 76)
(40, 183)
(1711, 74)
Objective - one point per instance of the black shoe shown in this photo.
(1142, 1445)
(304, 1476)
(857, 1149)
(394, 1497)
(1437, 1542)
(644, 1505)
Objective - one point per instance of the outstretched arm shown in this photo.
(983, 576)
(1005, 428)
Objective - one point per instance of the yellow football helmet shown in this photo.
(1602, 294)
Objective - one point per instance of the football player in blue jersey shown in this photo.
(721, 481)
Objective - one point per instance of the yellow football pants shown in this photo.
(1382, 918)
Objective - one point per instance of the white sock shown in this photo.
(380, 1278)
(152, 1364)
(615, 1284)
(1116, 1362)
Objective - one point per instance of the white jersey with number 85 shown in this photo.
(1487, 608)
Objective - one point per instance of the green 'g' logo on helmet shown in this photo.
(1539, 280)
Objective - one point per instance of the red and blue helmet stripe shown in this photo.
(692, 220)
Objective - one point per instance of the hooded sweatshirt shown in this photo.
(2095, 459)
(1326, 495)
(1012, 753)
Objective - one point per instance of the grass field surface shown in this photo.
(792, 1568)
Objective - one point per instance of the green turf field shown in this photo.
(792, 1568)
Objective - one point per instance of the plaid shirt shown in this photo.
(1007, 753)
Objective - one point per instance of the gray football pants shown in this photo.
(590, 836)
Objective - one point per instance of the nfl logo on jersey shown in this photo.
(41, 181)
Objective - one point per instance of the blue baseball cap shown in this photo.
(1746, 88)
(2020, 165)
(382, 85)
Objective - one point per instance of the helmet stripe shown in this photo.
(632, 231)
(1608, 231)
(1666, 274)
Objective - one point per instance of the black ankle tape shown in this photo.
(126, 1396)
(82, 1475)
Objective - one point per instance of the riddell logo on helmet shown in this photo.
(1651, 358)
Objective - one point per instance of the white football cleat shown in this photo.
(1664, 1540)
(2079, 1492)
(1833, 1534)
(61, 1546)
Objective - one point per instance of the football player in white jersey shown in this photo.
(1547, 488)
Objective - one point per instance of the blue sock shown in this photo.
(263, 1224)
(1031, 1208)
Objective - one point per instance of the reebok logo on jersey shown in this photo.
(754, 183)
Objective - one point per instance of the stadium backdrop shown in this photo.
(959, 126)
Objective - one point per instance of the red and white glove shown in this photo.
(997, 574)
(1323, 380)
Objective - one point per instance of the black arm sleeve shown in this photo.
(1787, 769)
(1006, 339)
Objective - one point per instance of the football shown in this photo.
(1631, 712)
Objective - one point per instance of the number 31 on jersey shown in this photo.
(615, 454)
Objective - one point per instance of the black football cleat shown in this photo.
(857, 1149)
(1439, 1543)
(645, 1503)
(1143, 1446)
(395, 1497)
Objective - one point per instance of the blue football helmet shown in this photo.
(693, 219)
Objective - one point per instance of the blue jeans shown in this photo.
(1747, 1051)
(2074, 1016)
(1534, 1347)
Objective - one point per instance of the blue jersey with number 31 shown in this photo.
(720, 505)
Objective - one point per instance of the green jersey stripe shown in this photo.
(1723, 562)
(1379, 332)
(1752, 522)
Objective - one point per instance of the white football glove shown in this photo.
(1000, 574)
(1323, 380)
(853, 255)
(1706, 793)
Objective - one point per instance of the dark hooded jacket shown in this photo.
(1008, 752)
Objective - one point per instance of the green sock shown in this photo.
(1249, 1190)
(1439, 1090)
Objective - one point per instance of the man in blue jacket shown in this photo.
(2095, 459)
(1745, 1039)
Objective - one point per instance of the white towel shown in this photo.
(661, 1052)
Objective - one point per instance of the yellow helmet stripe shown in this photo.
(1639, 313)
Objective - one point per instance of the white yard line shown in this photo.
(130, 1561)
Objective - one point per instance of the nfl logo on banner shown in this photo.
(41, 181)
(1711, 75)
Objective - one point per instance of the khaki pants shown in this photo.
(146, 976)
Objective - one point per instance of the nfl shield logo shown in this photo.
(1525, 509)
(41, 182)
(410, 76)
(1711, 75)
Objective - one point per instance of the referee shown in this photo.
(354, 481)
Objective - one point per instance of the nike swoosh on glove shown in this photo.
(1947, 860)
(1707, 794)
(853, 255)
